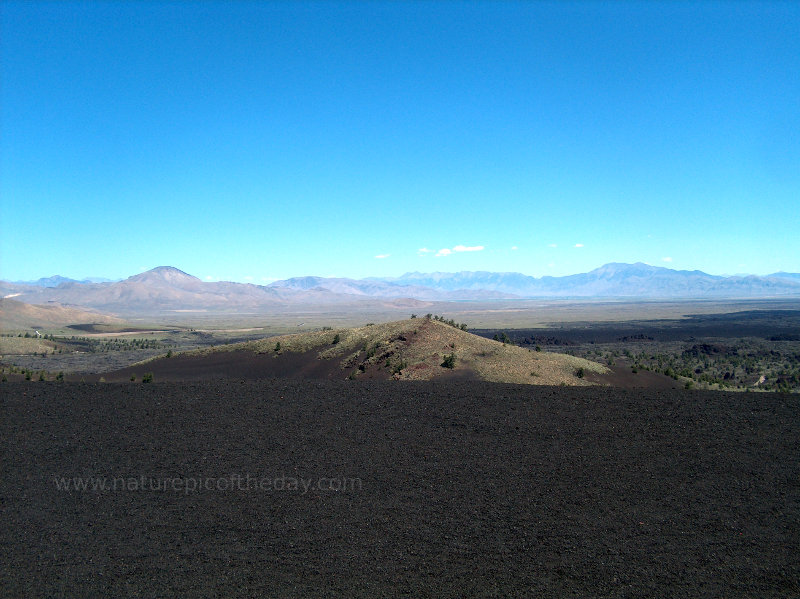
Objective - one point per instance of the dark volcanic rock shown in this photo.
(456, 489)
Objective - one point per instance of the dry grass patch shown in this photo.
(415, 349)
(25, 346)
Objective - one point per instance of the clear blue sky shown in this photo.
(256, 140)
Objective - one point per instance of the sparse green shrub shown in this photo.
(538, 348)
(336, 339)
(688, 385)
(413, 316)
(133, 378)
(169, 354)
(579, 373)
(147, 377)
(449, 361)
(60, 376)
(27, 375)
(278, 346)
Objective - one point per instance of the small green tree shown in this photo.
(278, 346)
(449, 361)
(336, 339)
(579, 373)
(169, 354)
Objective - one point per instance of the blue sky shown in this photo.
(250, 141)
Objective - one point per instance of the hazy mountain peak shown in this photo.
(168, 274)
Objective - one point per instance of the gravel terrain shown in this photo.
(386, 489)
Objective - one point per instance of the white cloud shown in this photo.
(578, 245)
(382, 256)
(552, 245)
(458, 248)
(248, 278)
(513, 247)
(209, 278)
(425, 251)
(666, 259)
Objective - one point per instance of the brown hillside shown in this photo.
(16, 315)
(413, 349)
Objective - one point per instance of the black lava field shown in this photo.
(383, 489)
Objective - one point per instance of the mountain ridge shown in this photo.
(168, 289)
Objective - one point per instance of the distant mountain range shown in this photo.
(167, 289)
(613, 280)
(57, 280)
(390, 288)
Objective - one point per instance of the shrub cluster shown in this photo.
(461, 326)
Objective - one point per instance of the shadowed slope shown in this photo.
(413, 349)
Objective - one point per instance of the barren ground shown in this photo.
(465, 489)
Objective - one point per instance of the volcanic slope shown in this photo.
(414, 349)
(16, 315)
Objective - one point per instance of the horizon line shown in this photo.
(268, 280)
